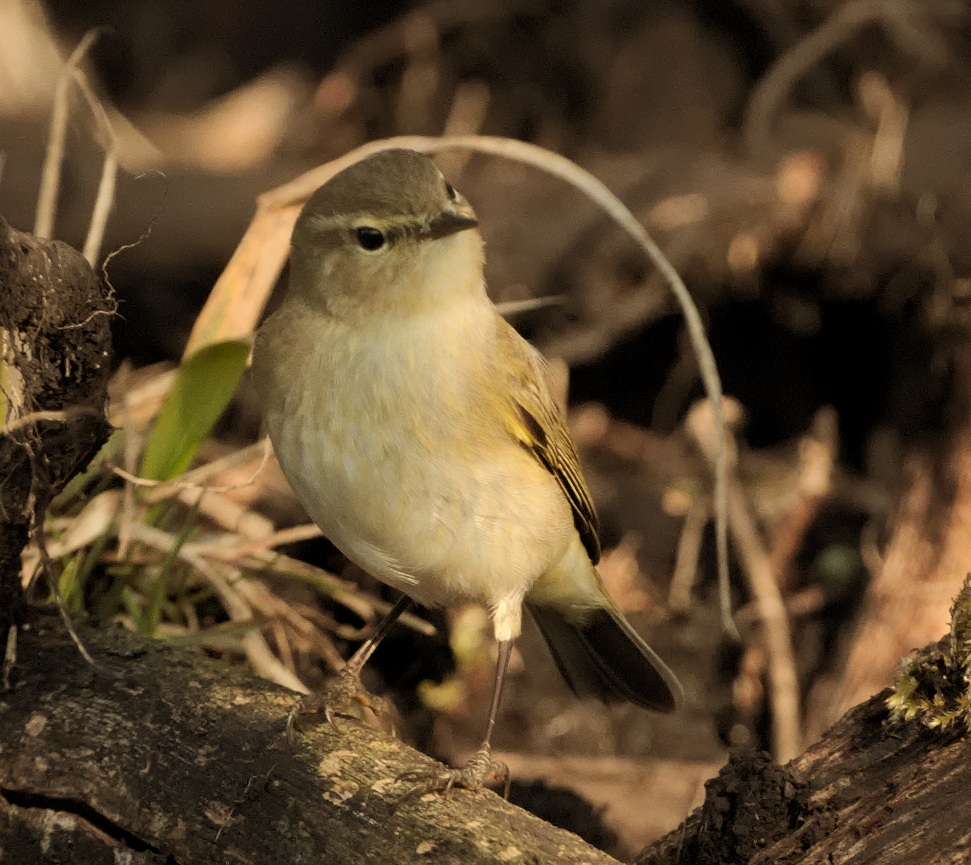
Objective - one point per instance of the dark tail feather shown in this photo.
(605, 658)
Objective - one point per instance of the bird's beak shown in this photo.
(447, 223)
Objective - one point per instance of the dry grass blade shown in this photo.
(259, 654)
(240, 294)
(54, 156)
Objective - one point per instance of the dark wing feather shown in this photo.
(602, 656)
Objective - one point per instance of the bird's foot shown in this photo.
(478, 771)
(339, 698)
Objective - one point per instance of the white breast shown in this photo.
(386, 460)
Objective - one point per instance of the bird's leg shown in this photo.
(481, 767)
(348, 687)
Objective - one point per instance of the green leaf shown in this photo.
(153, 612)
(133, 603)
(203, 388)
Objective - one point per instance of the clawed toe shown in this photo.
(338, 699)
(476, 773)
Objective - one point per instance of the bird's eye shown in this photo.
(450, 191)
(369, 238)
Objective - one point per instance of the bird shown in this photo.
(419, 431)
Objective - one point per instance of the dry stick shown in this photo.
(105, 198)
(9, 658)
(46, 565)
(102, 206)
(775, 85)
(813, 486)
(292, 535)
(784, 690)
(286, 198)
(50, 178)
(54, 157)
(510, 308)
(784, 686)
(891, 116)
(58, 416)
(167, 489)
(689, 552)
(363, 604)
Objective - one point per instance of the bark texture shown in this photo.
(169, 756)
(870, 791)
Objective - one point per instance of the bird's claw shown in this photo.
(337, 699)
(478, 771)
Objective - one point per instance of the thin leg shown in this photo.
(357, 661)
(348, 688)
(505, 650)
(480, 767)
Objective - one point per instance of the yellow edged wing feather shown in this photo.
(536, 422)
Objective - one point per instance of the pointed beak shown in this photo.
(447, 223)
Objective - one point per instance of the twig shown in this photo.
(890, 115)
(689, 551)
(509, 308)
(105, 198)
(47, 566)
(784, 685)
(277, 539)
(59, 416)
(9, 658)
(165, 489)
(776, 84)
(813, 486)
(50, 179)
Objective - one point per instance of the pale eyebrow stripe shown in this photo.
(399, 225)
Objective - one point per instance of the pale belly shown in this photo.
(442, 523)
(392, 450)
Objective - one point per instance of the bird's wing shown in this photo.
(536, 422)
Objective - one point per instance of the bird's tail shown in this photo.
(601, 655)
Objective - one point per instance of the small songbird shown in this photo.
(419, 431)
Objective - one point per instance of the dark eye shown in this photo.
(369, 238)
(450, 191)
